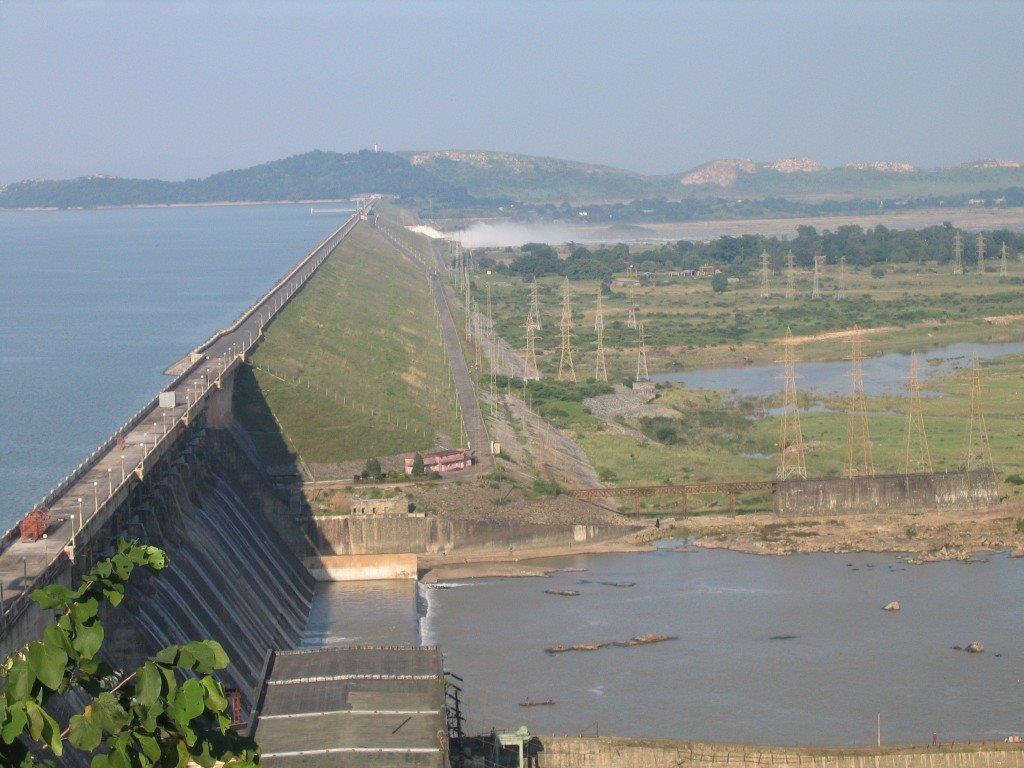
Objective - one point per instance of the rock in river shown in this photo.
(975, 647)
(893, 606)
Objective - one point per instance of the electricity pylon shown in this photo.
(632, 277)
(979, 452)
(819, 260)
(468, 303)
(1004, 255)
(600, 368)
(841, 279)
(492, 361)
(535, 305)
(917, 455)
(641, 354)
(981, 253)
(859, 460)
(790, 275)
(958, 253)
(766, 267)
(566, 367)
(792, 450)
(530, 370)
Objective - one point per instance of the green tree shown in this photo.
(166, 713)
(417, 465)
(719, 283)
(372, 468)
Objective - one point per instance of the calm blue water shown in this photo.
(883, 375)
(97, 303)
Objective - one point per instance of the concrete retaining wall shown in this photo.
(606, 752)
(837, 496)
(385, 534)
(362, 567)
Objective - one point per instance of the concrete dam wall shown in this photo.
(231, 576)
(607, 752)
(837, 496)
(425, 535)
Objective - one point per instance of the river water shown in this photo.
(775, 650)
(97, 303)
(883, 374)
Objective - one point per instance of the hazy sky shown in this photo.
(176, 90)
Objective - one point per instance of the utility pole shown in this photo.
(981, 253)
(1004, 254)
(566, 367)
(492, 361)
(641, 354)
(766, 267)
(917, 455)
(819, 260)
(859, 460)
(600, 368)
(792, 450)
(632, 277)
(958, 253)
(979, 452)
(790, 275)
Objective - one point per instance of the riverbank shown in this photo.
(924, 537)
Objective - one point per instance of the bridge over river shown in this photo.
(83, 500)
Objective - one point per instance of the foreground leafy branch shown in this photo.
(166, 713)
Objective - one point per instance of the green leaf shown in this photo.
(19, 681)
(49, 663)
(203, 655)
(221, 659)
(88, 638)
(16, 722)
(188, 703)
(168, 655)
(108, 714)
(148, 685)
(52, 596)
(216, 701)
(84, 733)
(149, 745)
(42, 727)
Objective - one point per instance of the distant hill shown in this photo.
(450, 179)
(310, 176)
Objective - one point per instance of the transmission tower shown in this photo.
(979, 452)
(535, 305)
(566, 367)
(492, 357)
(958, 253)
(478, 338)
(633, 277)
(1004, 255)
(792, 450)
(819, 261)
(981, 253)
(790, 275)
(600, 369)
(766, 268)
(641, 354)
(468, 303)
(530, 370)
(858, 447)
(841, 279)
(917, 455)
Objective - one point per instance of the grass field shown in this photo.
(688, 326)
(353, 366)
(716, 438)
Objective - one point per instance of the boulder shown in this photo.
(975, 647)
(893, 606)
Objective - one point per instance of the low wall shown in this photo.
(879, 493)
(363, 567)
(386, 534)
(608, 752)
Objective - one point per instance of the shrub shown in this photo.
(719, 283)
(910, 531)
(1015, 479)
(545, 487)
(878, 271)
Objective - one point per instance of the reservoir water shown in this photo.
(97, 303)
(883, 374)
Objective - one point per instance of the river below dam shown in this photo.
(776, 650)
